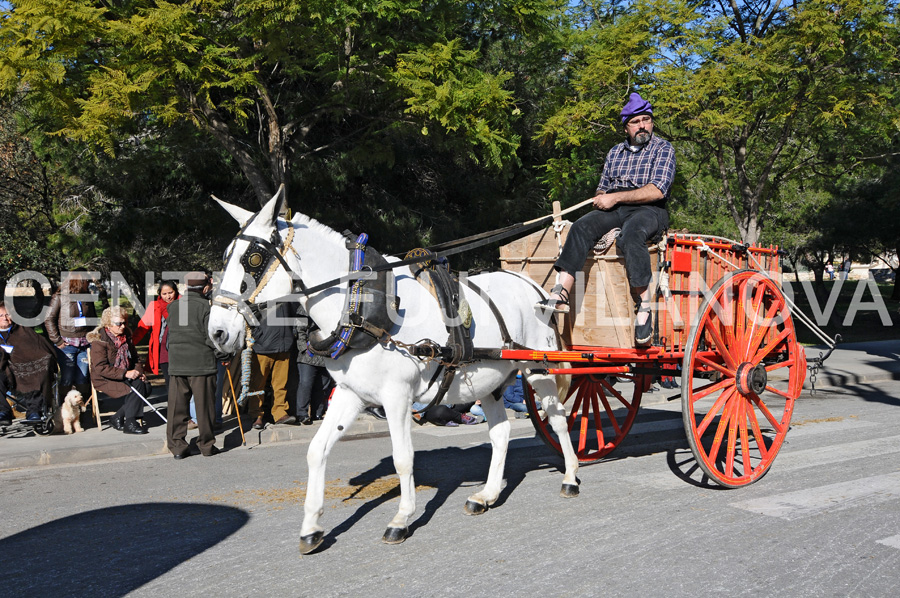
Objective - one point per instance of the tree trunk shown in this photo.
(277, 145)
(217, 126)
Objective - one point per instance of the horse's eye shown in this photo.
(243, 287)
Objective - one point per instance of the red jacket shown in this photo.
(152, 319)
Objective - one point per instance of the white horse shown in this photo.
(386, 374)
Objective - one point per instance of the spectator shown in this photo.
(68, 321)
(314, 384)
(446, 415)
(27, 363)
(513, 398)
(829, 270)
(155, 320)
(116, 370)
(192, 368)
(273, 341)
(846, 266)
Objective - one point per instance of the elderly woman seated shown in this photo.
(115, 369)
(27, 362)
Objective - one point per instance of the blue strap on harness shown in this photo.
(357, 259)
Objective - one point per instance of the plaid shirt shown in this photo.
(627, 169)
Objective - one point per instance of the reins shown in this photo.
(250, 310)
(448, 248)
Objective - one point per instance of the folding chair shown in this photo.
(94, 400)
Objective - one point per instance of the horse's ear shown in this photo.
(270, 212)
(238, 213)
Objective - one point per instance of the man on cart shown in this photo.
(631, 196)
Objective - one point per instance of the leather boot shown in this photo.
(133, 427)
(117, 421)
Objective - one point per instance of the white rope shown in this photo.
(558, 228)
(796, 311)
(704, 248)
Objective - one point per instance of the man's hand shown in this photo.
(605, 201)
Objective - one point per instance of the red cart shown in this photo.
(723, 326)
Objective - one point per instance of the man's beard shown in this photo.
(641, 137)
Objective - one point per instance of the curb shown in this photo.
(843, 378)
(365, 426)
(75, 455)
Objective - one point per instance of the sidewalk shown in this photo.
(851, 364)
(21, 447)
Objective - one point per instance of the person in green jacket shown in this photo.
(192, 368)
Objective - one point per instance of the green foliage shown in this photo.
(419, 122)
(274, 83)
(443, 83)
(19, 253)
(762, 90)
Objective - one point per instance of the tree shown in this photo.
(768, 93)
(28, 187)
(863, 219)
(281, 85)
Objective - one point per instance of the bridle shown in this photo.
(260, 260)
(263, 256)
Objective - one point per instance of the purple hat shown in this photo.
(635, 106)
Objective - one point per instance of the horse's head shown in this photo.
(257, 268)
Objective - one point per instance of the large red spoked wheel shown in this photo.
(743, 369)
(598, 414)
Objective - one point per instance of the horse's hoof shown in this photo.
(569, 491)
(395, 535)
(475, 508)
(311, 542)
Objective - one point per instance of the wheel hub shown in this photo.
(751, 379)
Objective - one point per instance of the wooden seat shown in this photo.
(94, 399)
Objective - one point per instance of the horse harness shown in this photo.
(263, 257)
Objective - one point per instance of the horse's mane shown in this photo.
(317, 227)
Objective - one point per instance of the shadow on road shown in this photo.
(112, 551)
(445, 470)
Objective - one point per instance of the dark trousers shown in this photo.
(181, 388)
(164, 370)
(639, 224)
(133, 405)
(440, 415)
(314, 385)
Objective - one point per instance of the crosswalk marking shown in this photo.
(788, 460)
(791, 460)
(893, 541)
(864, 492)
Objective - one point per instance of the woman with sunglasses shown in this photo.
(115, 369)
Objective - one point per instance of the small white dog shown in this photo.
(66, 417)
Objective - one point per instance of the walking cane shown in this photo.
(237, 412)
(143, 398)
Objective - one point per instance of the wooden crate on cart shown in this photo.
(602, 310)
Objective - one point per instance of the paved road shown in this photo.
(824, 522)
